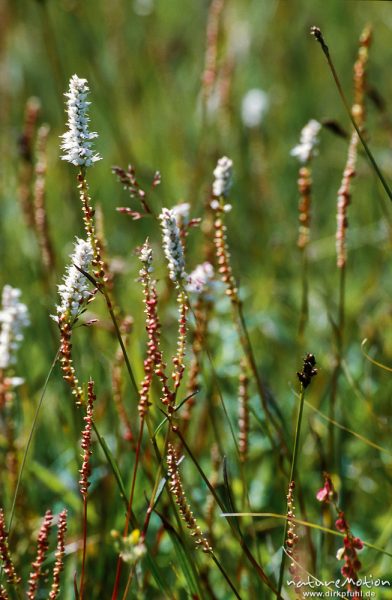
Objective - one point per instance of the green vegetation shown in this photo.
(167, 82)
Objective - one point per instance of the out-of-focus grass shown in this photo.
(145, 77)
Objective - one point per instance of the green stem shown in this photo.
(292, 478)
(305, 290)
(225, 575)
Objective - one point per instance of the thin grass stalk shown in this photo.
(292, 478)
(225, 575)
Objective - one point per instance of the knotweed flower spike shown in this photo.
(177, 490)
(172, 246)
(220, 188)
(223, 177)
(59, 555)
(75, 291)
(5, 556)
(306, 149)
(153, 363)
(77, 143)
(14, 317)
(74, 295)
(42, 549)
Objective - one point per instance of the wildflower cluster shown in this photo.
(14, 318)
(77, 143)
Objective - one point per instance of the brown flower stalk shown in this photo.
(304, 206)
(66, 362)
(42, 548)
(358, 113)
(178, 360)
(154, 360)
(40, 218)
(210, 64)
(59, 555)
(86, 441)
(89, 226)
(292, 537)
(26, 151)
(3, 593)
(177, 490)
(85, 472)
(243, 411)
(223, 257)
(5, 556)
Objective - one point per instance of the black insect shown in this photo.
(309, 370)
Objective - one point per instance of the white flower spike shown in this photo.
(200, 279)
(172, 246)
(77, 143)
(223, 177)
(306, 149)
(75, 291)
(14, 317)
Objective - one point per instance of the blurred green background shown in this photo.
(144, 60)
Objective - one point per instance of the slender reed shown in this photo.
(305, 378)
